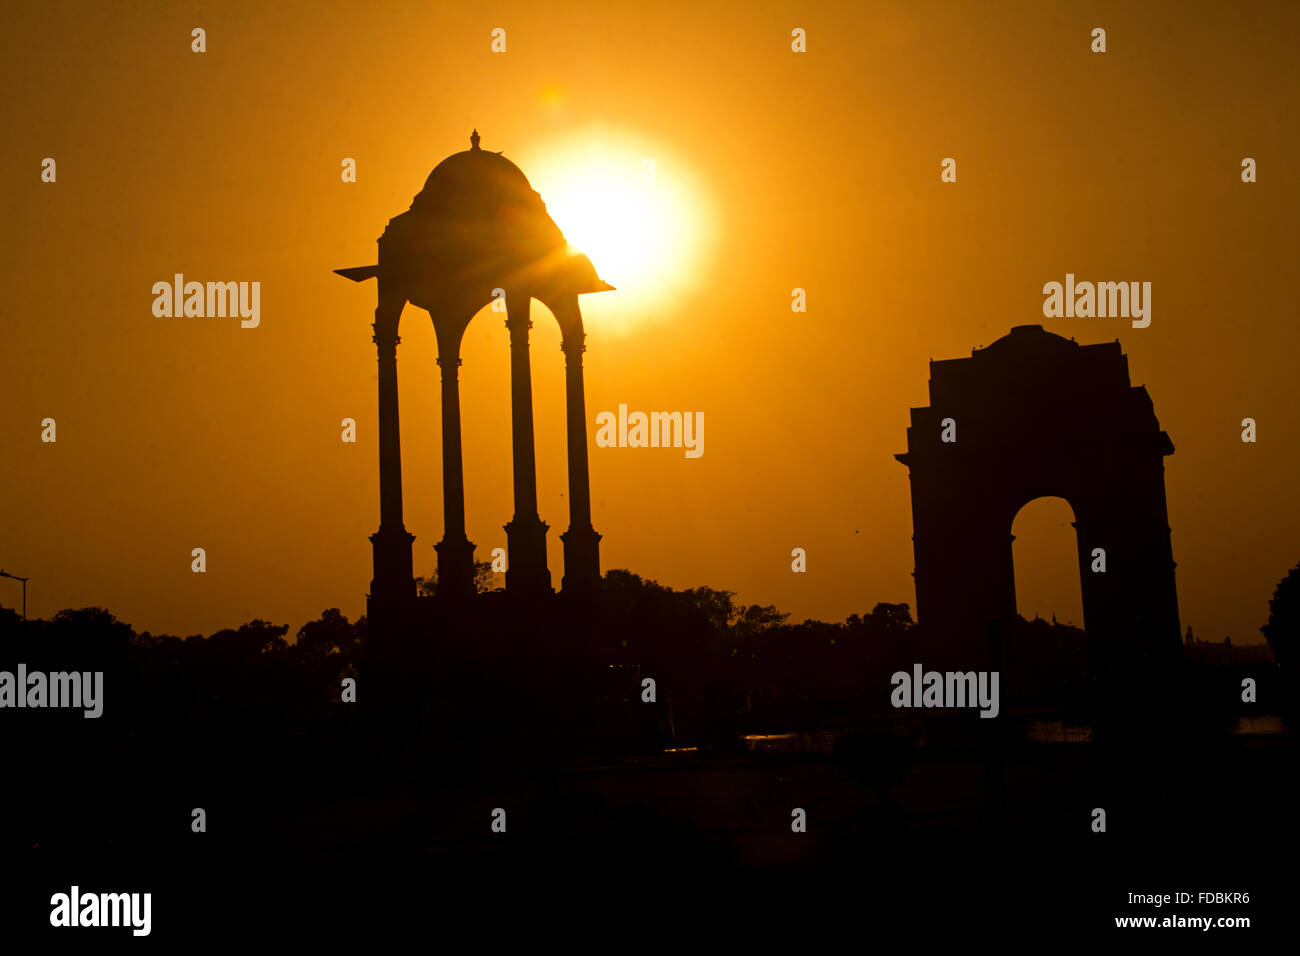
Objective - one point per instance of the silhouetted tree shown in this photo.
(485, 579)
(93, 628)
(330, 636)
(717, 606)
(250, 640)
(754, 620)
(1283, 627)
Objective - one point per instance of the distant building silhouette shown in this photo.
(1226, 654)
(1037, 415)
(475, 230)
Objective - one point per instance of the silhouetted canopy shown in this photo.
(478, 225)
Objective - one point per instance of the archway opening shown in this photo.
(1046, 556)
(1047, 649)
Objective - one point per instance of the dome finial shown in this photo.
(473, 140)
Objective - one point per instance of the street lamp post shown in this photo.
(6, 574)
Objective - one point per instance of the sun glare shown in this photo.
(634, 211)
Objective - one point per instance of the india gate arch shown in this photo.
(478, 234)
(1036, 415)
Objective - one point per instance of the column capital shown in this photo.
(519, 326)
(450, 369)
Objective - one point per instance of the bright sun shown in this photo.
(634, 211)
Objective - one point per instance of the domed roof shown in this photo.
(478, 224)
(473, 175)
(1031, 337)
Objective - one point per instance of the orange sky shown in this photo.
(818, 170)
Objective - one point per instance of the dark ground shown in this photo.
(306, 835)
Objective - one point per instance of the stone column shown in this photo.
(393, 584)
(581, 542)
(455, 550)
(526, 572)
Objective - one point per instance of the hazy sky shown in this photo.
(817, 170)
